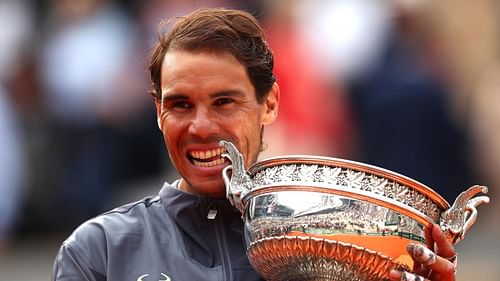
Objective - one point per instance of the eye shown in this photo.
(223, 101)
(180, 106)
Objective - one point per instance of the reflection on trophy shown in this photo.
(320, 218)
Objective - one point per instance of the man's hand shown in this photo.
(439, 266)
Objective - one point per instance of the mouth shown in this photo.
(207, 158)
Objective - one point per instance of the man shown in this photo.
(213, 80)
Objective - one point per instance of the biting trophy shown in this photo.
(321, 218)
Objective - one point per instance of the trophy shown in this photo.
(321, 218)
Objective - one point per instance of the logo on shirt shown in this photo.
(143, 277)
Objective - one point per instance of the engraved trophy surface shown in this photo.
(321, 218)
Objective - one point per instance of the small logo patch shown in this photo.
(143, 277)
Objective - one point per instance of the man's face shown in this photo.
(207, 97)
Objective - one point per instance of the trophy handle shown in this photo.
(236, 179)
(458, 219)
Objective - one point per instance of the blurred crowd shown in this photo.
(411, 86)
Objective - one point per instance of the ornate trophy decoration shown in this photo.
(321, 218)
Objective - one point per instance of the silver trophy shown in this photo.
(321, 218)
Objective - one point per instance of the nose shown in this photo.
(203, 125)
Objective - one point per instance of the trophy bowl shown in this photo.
(322, 218)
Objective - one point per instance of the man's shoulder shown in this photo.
(124, 232)
(134, 209)
(126, 220)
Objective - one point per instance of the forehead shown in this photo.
(202, 68)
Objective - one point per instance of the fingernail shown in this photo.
(410, 247)
(394, 274)
(422, 254)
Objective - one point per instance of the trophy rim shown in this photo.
(354, 165)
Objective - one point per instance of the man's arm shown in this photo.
(70, 265)
(82, 256)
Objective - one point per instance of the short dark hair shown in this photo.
(217, 30)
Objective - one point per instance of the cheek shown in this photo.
(251, 135)
(169, 129)
(168, 121)
(246, 126)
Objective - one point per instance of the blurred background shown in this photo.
(408, 85)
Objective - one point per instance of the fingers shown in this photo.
(395, 275)
(444, 247)
(440, 265)
(430, 260)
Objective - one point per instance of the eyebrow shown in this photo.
(228, 93)
(173, 97)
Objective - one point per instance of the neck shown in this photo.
(186, 187)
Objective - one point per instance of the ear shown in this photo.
(271, 104)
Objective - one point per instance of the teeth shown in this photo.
(207, 154)
(209, 164)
